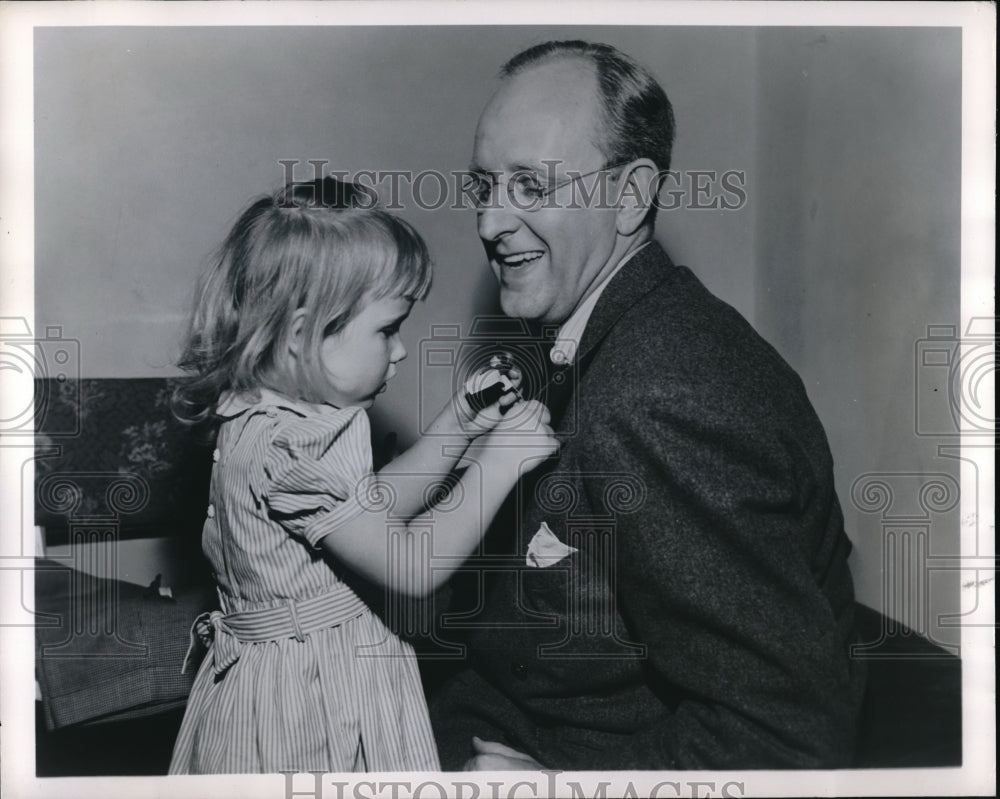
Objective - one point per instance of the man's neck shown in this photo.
(623, 249)
(571, 331)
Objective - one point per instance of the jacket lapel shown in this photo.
(644, 272)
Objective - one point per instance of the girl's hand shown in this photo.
(483, 402)
(523, 436)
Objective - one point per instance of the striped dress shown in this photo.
(299, 674)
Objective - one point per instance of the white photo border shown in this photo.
(17, 20)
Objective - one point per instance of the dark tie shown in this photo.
(558, 389)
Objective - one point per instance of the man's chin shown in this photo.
(522, 305)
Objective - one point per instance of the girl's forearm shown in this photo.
(414, 556)
(412, 476)
(447, 538)
(410, 538)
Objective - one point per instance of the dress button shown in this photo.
(519, 670)
(211, 511)
(271, 411)
(215, 456)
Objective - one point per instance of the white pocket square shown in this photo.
(545, 549)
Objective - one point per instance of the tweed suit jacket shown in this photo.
(705, 616)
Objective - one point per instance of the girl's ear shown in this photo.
(296, 332)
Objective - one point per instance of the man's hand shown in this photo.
(493, 756)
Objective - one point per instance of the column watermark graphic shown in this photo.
(953, 412)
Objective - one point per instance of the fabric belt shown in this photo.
(225, 633)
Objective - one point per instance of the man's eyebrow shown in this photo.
(519, 167)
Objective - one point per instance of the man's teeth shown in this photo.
(521, 258)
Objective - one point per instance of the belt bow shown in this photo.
(211, 631)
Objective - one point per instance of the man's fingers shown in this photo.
(496, 763)
(495, 756)
(482, 747)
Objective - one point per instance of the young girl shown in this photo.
(294, 334)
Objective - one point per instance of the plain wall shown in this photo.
(857, 252)
(149, 142)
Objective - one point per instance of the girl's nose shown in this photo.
(398, 351)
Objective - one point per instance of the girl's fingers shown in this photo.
(508, 399)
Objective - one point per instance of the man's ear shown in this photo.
(296, 332)
(637, 188)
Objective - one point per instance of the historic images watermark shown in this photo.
(548, 783)
(548, 187)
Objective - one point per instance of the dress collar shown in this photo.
(232, 404)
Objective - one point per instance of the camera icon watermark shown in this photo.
(44, 371)
(450, 359)
(953, 380)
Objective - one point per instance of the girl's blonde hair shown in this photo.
(324, 247)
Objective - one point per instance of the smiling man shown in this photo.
(682, 598)
(547, 259)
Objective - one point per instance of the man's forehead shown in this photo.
(544, 112)
(560, 79)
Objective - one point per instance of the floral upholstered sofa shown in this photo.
(113, 469)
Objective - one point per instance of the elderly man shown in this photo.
(681, 598)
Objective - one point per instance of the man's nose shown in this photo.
(497, 218)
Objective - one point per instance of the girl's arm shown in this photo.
(431, 459)
(415, 474)
(388, 545)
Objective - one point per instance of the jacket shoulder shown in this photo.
(682, 348)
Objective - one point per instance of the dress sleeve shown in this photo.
(315, 468)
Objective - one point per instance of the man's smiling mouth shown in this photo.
(519, 259)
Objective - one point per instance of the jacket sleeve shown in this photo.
(723, 574)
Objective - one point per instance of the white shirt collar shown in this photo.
(563, 352)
